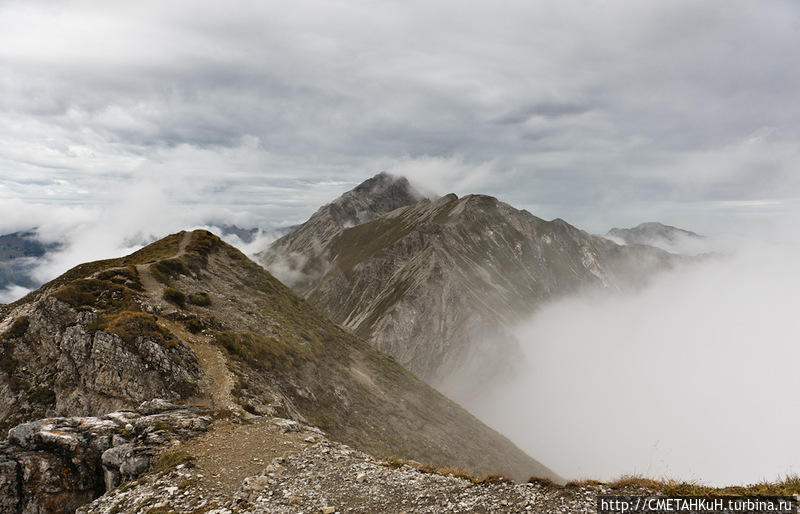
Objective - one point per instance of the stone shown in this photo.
(59, 464)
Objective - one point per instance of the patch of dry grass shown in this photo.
(786, 486)
(491, 478)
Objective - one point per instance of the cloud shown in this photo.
(564, 108)
(691, 378)
(12, 293)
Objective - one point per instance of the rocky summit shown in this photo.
(298, 258)
(437, 284)
(191, 320)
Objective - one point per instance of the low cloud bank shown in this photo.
(143, 213)
(693, 378)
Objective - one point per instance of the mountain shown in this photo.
(437, 284)
(662, 236)
(296, 258)
(191, 320)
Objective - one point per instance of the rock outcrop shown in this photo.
(55, 465)
(89, 347)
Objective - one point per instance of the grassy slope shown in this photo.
(288, 358)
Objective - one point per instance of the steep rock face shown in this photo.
(86, 344)
(438, 283)
(191, 319)
(55, 465)
(294, 258)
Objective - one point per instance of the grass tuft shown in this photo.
(201, 299)
(130, 325)
(173, 295)
(171, 460)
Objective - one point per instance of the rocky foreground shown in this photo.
(164, 458)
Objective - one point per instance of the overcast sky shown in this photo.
(601, 113)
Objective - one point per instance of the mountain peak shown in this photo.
(654, 233)
(371, 199)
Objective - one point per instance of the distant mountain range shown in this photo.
(657, 234)
(437, 283)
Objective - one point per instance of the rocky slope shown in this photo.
(436, 284)
(298, 257)
(297, 469)
(192, 320)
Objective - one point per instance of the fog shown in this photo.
(142, 213)
(693, 378)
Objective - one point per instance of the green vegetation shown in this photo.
(163, 426)
(260, 351)
(201, 299)
(90, 293)
(166, 270)
(171, 460)
(127, 276)
(787, 486)
(162, 249)
(130, 325)
(173, 295)
(199, 248)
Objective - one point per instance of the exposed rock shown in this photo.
(298, 257)
(319, 479)
(112, 334)
(57, 464)
(437, 284)
(86, 347)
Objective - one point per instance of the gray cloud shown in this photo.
(602, 114)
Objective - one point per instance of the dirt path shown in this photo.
(153, 287)
(218, 380)
(231, 452)
(217, 373)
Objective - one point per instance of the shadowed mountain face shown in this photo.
(192, 320)
(439, 283)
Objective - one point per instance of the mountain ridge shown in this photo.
(438, 283)
(107, 334)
